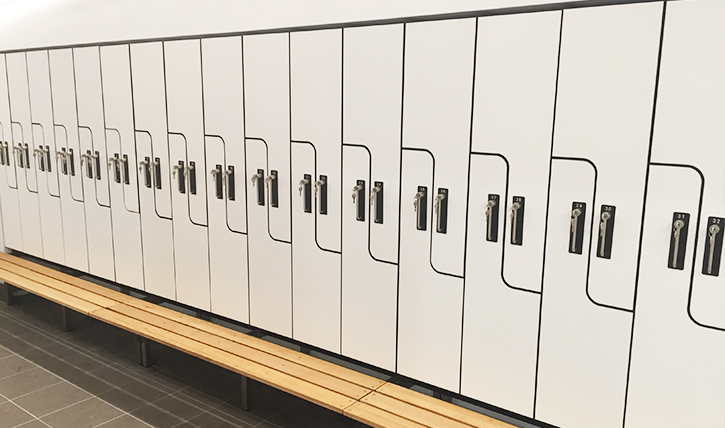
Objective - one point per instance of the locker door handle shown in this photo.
(376, 202)
(113, 166)
(306, 193)
(61, 160)
(151, 174)
(47, 159)
(678, 240)
(156, 173)
(88, 159)
(257, 181)
(125, 171)
(357, 195)
(490, 220)
(321, 194)
(7, 153)
(143, 168)
(191, 178)
(27, 156)
(40, 162)
(514, 221)
(420, 202)
(179, 170)
(71, 164)
(229, 183)
(606, 231)
(215, 173)
(441, 209)
(2, 153)
(578, 216)
(272, 188)
(96, 164)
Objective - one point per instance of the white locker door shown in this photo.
(227, 249)
(369, 285)
(224, 127)
(25, 149)
(267, 118)
(430, 307)
(9, 204)
(121, 164)
(515, 81)
(688, 130)
(149, 95)
(609, 123)
(500, 324)
(270, 260)
(93, 168)
(186, 150)
(154, 176)
(677, 371)
(437, 117)
(41, 112)
(372, 88)
(316, 96)
(516, 70)
(66, 134)
(315, 271)
(583, 347)
(156, 232)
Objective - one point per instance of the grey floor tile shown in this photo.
(48, 400)
(90, 384)
(111, 375)
(86, 414)
(143, 391)
(208, 420)
(84, 362)
(62, 369)
(125, 421)
(13, 365)
(305, 415)
(33, 424)
(122, 399)
(194, 395)
(180, 408)
(156, 417)
(27, 382)
(12, 415)
(4, 352)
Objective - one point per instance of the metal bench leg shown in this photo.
(246, 402)
(65, 314)
(6, 293)
(144, 351)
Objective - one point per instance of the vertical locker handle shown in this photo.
(191, 177)
(606, 231)
(357, 195)
(97, 164)
(216, 176)
(376, 202)
(678, 240)
(113, 165)
(576, 232)
(126, 172)
(229, 183)
(492, 209)
(2, 153)
(178, 174)
(257, 181)
(713, 246)
(321, 194)
(39, 157)
(27, 156)
(19, 155)
(272, 182)
(71, 162)
(420, 202)
(48, 162)
(441, 210)
(305, 190)
(517, 220)
(157, 173)
(143, 167)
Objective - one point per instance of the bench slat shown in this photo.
(420, 415)
(49, 293)
(292, 385)
(440, 407)
(352, 376)
(68, 279)
(377, 418)
(61, 286)
(272, 361)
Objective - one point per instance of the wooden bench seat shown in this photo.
(361, 397)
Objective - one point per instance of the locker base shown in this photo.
(6, 294)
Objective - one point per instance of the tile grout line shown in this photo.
(35, 418)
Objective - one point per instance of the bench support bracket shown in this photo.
(6, 293)
(144, 351)
(65, 315)
(246, 403)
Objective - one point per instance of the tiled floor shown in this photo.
(89, 378)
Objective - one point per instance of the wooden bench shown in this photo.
(361, 397)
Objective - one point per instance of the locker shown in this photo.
(65, 127)
(516, 70)
(92, 141)
(9, 204)
(437, 117)
(676, 362)
(267, 118)
(688, 131)
(500, 324)
(315, 102)
(270, 260)
(581, 374)
(182, 60)
(372, 88)
(21, 130)
(430, 305)
(224, 127)
(149, 86)
(609, 123)
(315, 271)
(41, 114)
(121, 164)
(154, 177)
(368, 285)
